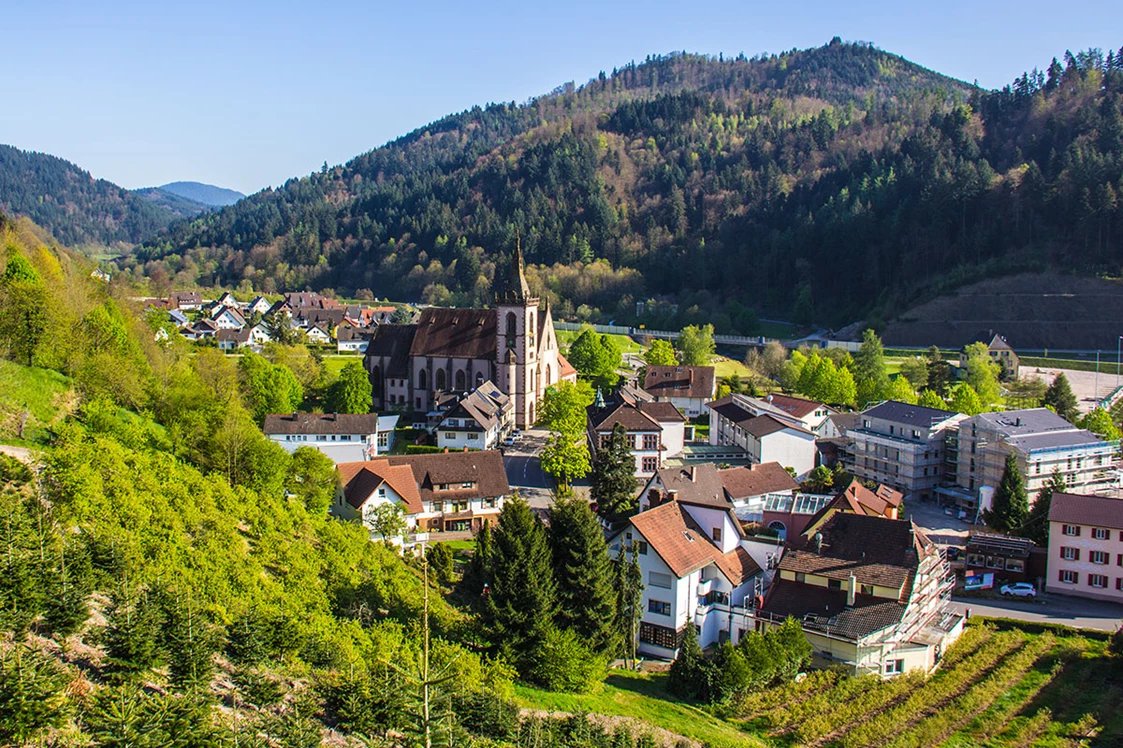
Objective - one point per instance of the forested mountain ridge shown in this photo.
(76, 208)
(207, 194)
(826, 184)
(182, 207)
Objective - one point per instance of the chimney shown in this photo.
(851, 590)
(693, 473)
(672, 495)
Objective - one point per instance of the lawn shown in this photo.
(335, 363)
(43, 392)
(623, 342)
(640, 696)
(727, 367)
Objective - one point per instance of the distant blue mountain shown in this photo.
(207, 194)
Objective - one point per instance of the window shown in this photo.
(996, 562)
(460, 506)
(1099, 533)
(800, 576)
(660, 636)
(834, 584)
(641, 547)
(716, 534)
(421, 381)
(655, 579)
(604, 439)
(439, 378)
(1069, 577)
(866, 589)
(1119, 583)
(1073, 530)
(381, 490)
(1015, 564)
(1100, 557)
(1070, 554)
(658, 607)
(1097, 580)
(650, 464)
(975, 559)
(473, 436)
(894, 667)
(650, 441)
(450, 435)
(1119, 560)
(460, 383)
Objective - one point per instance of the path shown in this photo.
(23, 454)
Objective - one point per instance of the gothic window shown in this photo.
(376, 382)
(421, 380)
(512, 328)
(440, 378)
(547, 382)
(460, 379)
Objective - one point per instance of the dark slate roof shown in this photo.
(321, 423)
(680, 381)
(825, 609)
(910, 415)
(455, 333)
(393, 342)
(797, 406)
(1003, 544)
(632, 418)
(661, 411)
(347, 333)
(484, 469)
(1077, 509)
(762, 426)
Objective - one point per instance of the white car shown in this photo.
(509, 441)
(1019, 589)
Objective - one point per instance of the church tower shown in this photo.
(516, 343)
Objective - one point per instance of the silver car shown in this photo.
(1019, 589)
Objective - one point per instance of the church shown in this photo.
(457, 350)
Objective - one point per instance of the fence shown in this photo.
(665, 334)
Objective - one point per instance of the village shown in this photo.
(747, 508)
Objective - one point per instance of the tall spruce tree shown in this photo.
(689, 675)
(31, 694)
(870, 371)
(1037, 526)
(189, 643)
(614, 477)
(478, 572)
(1011, 505)
(583, 571)
(628, 578)
(132, 624)
(1059, 397)
(523, 595)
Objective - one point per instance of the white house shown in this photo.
(688, 388)
(812, 415)
(696, 567)
(344, 437)
(478, 420)
(228, 318)
(229, 340)
(655, 430)
(318, 335)
(259, 305)
(351, 339)
(227, 300)
(764, 432)
(444, 492)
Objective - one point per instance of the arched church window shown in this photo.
(547, 382)
(512, 328)
(460, 379)
(421, 380)
(440, 377)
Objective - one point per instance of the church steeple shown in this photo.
(517, 290)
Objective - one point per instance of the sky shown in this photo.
(248, 94)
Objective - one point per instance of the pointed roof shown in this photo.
(517, 290)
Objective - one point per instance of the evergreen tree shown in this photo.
(478, 573)
(583, 571)
(870, 371)
(31, 694)
(189, 644)
(793, 648)
(613, 489)
(1059, 397)
(21, 591)
(66, 605)
(247, 641)
(1037, 526)
(939, 372)
(439, 556)
(690, 673)
(351, 393)
(132, 624)
(523, 596)
(1011, 506)
(628, 578)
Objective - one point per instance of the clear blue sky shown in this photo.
(248, 94)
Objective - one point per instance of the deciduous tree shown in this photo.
(697, 345)
(660, 353)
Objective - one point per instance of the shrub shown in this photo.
(564, 663)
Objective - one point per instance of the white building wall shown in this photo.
(353, 448)
(789, 448)
(673, 437)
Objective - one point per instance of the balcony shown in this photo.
(705, 587)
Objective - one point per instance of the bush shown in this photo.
(564, 663)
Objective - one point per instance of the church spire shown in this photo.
(518, 290)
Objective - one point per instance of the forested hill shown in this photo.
(826, 184)
(76, 208)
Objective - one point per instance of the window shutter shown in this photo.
(1078, 528)
(1077, 558)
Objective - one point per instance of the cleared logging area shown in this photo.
(1000, 685)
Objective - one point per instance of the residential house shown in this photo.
(764, 496)
(477, 420)
(1000, 353)
(185, 300)
(696, 568)
(655, 430)
(317, 335)
(765, 433)
(902, 446)
(871, 594)
(351, 339)
(178, 317)
(1004, 556)
(512, 345)
(691, 483)
(857, 499)
(201, 330)
(1086, 546)
(812, 415)
(228, 318)
(233, 339)
(227, 300)
(344, 437)
(260, 305)
(688, 388)
(1042, 442)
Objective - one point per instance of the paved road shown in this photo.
(524, 469)
(1067, 611)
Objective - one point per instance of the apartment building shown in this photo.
(765, 432)
(1041, 440)
(655, 430)
(902, 446)
(344, 437)
(1086, 547)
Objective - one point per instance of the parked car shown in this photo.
(516, 434)
(509, 441)
(1019, 589)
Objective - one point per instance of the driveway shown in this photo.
(1047, 608)
(524, 468)
(937, 525)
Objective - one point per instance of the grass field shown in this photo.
(41, 391)
(640, 696)
(335, 363)
(1003, 684)
(623, 342)
(727, 367)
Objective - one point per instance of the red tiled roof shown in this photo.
(684, 547)
(797, 406)
(695, 484)
(565, 369)
(1078, 509)
(455, 333)
(680, 381)
(757, 480)
(484, 470)
(361, 479)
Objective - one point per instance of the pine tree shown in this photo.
(522, 599)
(628, 578)
(1037, 527)
(613, 490)
(478, 573)
(1011, 506)
(189, 643)
(21, 592)
(132, 623)
(689, 675)
(247, 641)
(66, 606)
(439, 556)
(1059, 397)
(870, 371)
(31, 694)
(585, 595)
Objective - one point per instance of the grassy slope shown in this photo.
(639, 696)
(41, 391)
